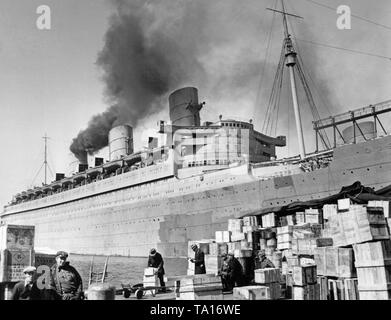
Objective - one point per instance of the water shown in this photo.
(123, 270)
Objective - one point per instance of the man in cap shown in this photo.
(65, 279)
(231, 272)
(263, 262)
(155, 260)
(198, 260)
(27, 289)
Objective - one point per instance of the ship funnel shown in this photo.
(77, 165)
(184, 107)
(120, 142)
(360, 132)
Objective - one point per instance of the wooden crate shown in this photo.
(335, 262)
(304, 246)
(218, 249)
(238, 236)
(289, 286)
(291, 220)
(330, 210)
(252, 293)
(17, 237)
(374, 278)
(351, 289)
(213, 263)
(235, 225)
(373, 254)
(324, 242)
(385, 205)
(359, 225)
(269, 220)
(336, 289)
(323, 288)
(232, 246)
(375, 295)
(304, 275)
(344, 204)
(12, 263)
(201, 295)
(250, 221)
(275, 290)
(223, 236)
(266, 276)
(308, 292)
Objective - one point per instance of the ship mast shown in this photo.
(291, 61)
(45, 163)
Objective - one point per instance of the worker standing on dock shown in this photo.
(231, 272)
(263, 262)
(65, 279)
(155, 260)
(27, 289)
(198, 260)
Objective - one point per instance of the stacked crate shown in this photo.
(16, 251)
(313, 216)
(269, 278)
(151, 280)
(373, 263)
(337, 273)
(199, 287)
(269, 220)
(329, 210)
(358, 224)
(305, 286)
(284, 238)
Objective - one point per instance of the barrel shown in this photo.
(101, 291)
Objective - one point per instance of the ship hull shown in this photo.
(169, 212)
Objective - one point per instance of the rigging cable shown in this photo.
(267, 55)
(345, 49)
(275, 92)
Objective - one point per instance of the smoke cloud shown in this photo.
(153, 48)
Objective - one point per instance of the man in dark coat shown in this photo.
(198, 260)
(27, 289)
(231, 272)
(65, 279)
(155, 260)
(263, 262)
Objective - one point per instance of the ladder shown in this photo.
(94, 276)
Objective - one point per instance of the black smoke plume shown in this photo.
(140, 65)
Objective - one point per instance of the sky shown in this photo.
(53, 81)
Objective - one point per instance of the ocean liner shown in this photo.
(203, 175)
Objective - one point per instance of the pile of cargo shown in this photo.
(350, 252)
(241, 238)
